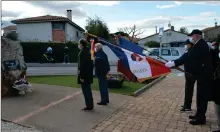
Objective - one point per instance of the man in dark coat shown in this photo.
(216, 83)
(189, 79)
(102, 68)
(66, 54)
(85, 73)
(202, 70)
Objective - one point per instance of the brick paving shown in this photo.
(157, 110)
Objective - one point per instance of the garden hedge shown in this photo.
(34, 50)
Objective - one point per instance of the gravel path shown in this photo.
(11, 127)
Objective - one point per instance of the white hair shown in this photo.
(98, 46)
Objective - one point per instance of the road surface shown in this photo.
(66, 69)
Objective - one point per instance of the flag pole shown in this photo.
(147, 51)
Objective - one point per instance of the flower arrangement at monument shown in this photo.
(115, 81)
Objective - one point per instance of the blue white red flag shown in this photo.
(140, 66)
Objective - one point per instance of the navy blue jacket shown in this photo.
(102, 66)
(184, 60)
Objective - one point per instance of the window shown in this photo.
(154, 52)
(175, 52)
(58, 25)
(169, 34)
(165, 52)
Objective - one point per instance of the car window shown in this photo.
(154, 52)
(175, 52)
(165, 52)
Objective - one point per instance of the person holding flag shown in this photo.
(189, 79)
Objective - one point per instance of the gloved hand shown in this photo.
(211, 46)
(170, 64)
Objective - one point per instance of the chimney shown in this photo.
(69, 14)
(156, 29)
(172, 28)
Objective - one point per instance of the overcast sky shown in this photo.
(117, 14)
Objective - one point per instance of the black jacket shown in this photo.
(85, 66)
(216, 76)
(102, 66)
(201, 60)
(66, 50)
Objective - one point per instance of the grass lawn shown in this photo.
(71, 81)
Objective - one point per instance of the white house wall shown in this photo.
(175, 36)
(35, 32)
(71, 33)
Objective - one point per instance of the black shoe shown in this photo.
(216, 130)
(197, 122)
(101, 103)
(185, 109)
(192, 117)
(86, 108)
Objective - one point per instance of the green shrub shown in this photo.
(33, 51)
(152, 44)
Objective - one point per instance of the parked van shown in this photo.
(166, 53)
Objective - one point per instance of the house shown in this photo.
(9, 29)
(211, 33)
(48, 28)
(169, 36)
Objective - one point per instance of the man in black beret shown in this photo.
(85, 73)
(202, 69)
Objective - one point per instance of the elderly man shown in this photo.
(101, 70)
(85, 73)
(201, 64)
(202, 70)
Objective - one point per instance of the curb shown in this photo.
(16, 123)
(144, 88)
(54, 65)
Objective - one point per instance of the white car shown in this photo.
(166, 53)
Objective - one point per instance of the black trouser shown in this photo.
(87, 92)
(203, 95)
(189, 88)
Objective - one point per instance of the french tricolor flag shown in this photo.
(133, 65)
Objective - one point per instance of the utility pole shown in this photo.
(161, 35)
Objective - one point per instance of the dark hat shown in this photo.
(188, 42)
(195, 31)
(83, 42)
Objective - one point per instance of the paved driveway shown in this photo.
(57, 109)
(157, 110)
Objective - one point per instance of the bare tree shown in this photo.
(132, 31)
(184, 30)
